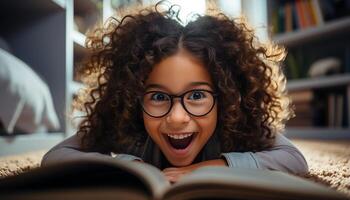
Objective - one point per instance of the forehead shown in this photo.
(179, 72)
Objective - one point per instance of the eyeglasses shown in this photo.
(196, 102)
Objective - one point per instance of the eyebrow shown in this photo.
(158, 86)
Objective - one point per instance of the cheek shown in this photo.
(151, 124)
(208, 124)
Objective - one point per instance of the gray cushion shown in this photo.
(26, 102)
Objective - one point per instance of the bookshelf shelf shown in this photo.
(79, 38)
(313, 83)
(313, 33)
(319, 133)
(75, 87)
(313, 36)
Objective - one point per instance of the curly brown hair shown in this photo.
(253, 104)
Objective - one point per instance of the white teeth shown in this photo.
(180, 136)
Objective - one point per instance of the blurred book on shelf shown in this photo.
(330, 109)
(290, 15)
(326, 107)
(302, 107)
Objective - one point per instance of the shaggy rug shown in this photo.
(329, 163)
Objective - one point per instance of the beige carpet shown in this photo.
(329, 162)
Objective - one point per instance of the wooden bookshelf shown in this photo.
(58, 51)
(321, 132)
(306, 45)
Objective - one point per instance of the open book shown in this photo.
(114, 179)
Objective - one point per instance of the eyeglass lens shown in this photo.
(196, 102)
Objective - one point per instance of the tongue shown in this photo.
(180, 143)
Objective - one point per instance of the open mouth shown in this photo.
(180, 141)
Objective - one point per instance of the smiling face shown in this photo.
(180, 135)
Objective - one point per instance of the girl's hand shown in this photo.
(173, 174)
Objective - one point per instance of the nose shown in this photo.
(177, 114)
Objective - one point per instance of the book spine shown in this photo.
(315, 4)
(306, 13)
(331, 110)
(311, 12)
(293, 68)
(300, 14)
(281, 19)
(275, 27)
(339, 110)
(288, 17)
(296, 24)
(302, 100)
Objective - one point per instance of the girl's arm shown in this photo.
(70, 149)
(283, 156)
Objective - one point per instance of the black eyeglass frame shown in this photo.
(215, 95)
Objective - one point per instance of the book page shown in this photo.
(93, 193)
(222, 182)
(151, 176)
(107, 173)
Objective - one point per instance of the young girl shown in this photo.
(183, 97)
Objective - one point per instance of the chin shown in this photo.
(182, 163)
